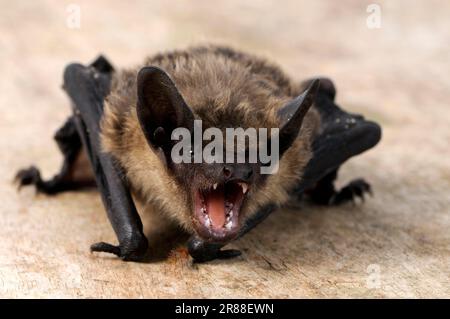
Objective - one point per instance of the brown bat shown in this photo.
(126, 120)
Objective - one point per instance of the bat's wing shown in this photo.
(87, 87)
(343, 135)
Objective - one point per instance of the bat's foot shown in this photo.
(202, 252)
(355, 189)
(325, 193)
(69, 143)
(134, 249)
(30, 176)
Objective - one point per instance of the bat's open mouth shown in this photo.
(216, 216)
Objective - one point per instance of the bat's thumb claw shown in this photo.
(228, 253)
(106, 248)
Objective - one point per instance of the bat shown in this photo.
(124, 123)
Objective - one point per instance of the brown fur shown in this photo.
(224, 88)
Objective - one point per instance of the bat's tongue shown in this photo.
(215, 202)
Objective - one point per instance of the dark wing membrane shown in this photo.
(343, 136)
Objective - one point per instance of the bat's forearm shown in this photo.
(87, 88)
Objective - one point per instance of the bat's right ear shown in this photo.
(160, 107)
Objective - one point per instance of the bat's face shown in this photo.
(218, 190)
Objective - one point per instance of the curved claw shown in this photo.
(203, 252)
(228, 253)
(356, 188)
(360, 187)
(134, 252)
(106, 248)
(27, 176)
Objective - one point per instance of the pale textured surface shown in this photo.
(397, 75)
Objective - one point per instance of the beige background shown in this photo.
(397, 75)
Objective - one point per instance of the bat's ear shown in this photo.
(160, 107)
(327, 86)
(292, 114)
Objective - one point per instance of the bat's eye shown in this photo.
(159, 136)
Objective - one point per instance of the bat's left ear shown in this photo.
(292, 114)
(160, 107)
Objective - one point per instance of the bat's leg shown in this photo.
(69, 143)
(325, 192)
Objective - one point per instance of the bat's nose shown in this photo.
(237, 172)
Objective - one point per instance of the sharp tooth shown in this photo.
(228, 217)
(244, 187)
(215, 186)
(208, 222)
(229, 225)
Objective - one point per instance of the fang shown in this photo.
(244, 187)
(229, 225)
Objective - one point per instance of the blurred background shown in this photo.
(389, 61)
